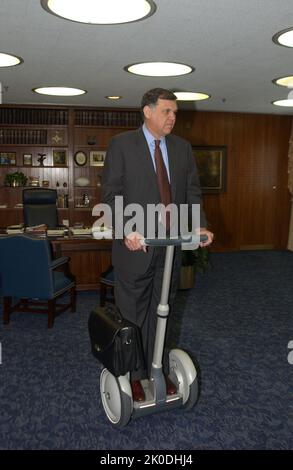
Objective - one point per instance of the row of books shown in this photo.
(28, 116)
(108, 118)
(33, 116)
(23, 136)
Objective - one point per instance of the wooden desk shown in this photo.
(88, 258)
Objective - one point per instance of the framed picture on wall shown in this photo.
(97, 157)
(59, 157)
(211, 164)
(27, 159)
(8, 158)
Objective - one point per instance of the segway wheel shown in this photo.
(183, 372)
(116, 398)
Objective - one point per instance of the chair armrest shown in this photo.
(59, 261)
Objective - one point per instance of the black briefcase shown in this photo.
(115, 342)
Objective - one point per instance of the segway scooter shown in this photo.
(116, 393)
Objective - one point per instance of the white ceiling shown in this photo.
(229, 42)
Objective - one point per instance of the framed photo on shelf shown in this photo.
(97, 157)
(211, 166)
(27, 159)
(8, 158)
(59, 157)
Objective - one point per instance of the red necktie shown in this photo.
(163, 182)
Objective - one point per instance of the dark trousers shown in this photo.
(137, 297)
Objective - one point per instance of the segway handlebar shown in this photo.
(174, 241)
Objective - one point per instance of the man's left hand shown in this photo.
(210, 236)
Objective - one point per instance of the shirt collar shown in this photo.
(149, 136)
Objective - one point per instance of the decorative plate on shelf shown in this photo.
(82, 181)
(80, 158)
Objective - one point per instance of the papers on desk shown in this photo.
(39, 230)
(55, 232)
(14, 229)
(102, 232)
(81, 231)
(95, 232)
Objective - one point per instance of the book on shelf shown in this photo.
(23, 136)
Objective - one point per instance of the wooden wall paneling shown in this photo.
(248, 214)
(258, 175)
(282, 192)
(217, 129)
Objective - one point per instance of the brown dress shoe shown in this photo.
(170, 387)
(137, 391)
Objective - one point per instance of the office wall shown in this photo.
(254, 211)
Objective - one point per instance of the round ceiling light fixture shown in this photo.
(284, 81)
(59, 91)
(191, 96)
(284, 103)
(100, 11)
(113, 97)
(284, 37)
(9, 60)
(159, 69)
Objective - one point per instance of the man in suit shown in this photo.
(131, 171)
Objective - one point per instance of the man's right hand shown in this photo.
(133, 242)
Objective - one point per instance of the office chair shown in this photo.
(29, 275)
(107, 282)
(40, 207)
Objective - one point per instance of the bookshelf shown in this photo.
(61, 148)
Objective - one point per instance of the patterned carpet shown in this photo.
(236, 323)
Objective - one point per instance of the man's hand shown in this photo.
(210, 236)
(133, 242)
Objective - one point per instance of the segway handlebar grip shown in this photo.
(173, 241)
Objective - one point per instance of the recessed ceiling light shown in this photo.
(284, 81)
(159, 69)
(101, 11)
(285, 103)
(59, 91)
(190, 96)
(8, 60)
(284, 38)
(113, 97)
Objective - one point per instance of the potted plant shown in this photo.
(15, 179)
(193, 261)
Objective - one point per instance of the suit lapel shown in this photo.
(173, 163)
(146, 160)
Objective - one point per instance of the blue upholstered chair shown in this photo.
(40, 207)
(29, 275)
(107, 283)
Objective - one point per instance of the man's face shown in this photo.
(160, 119)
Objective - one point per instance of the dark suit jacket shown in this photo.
(129, 172)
